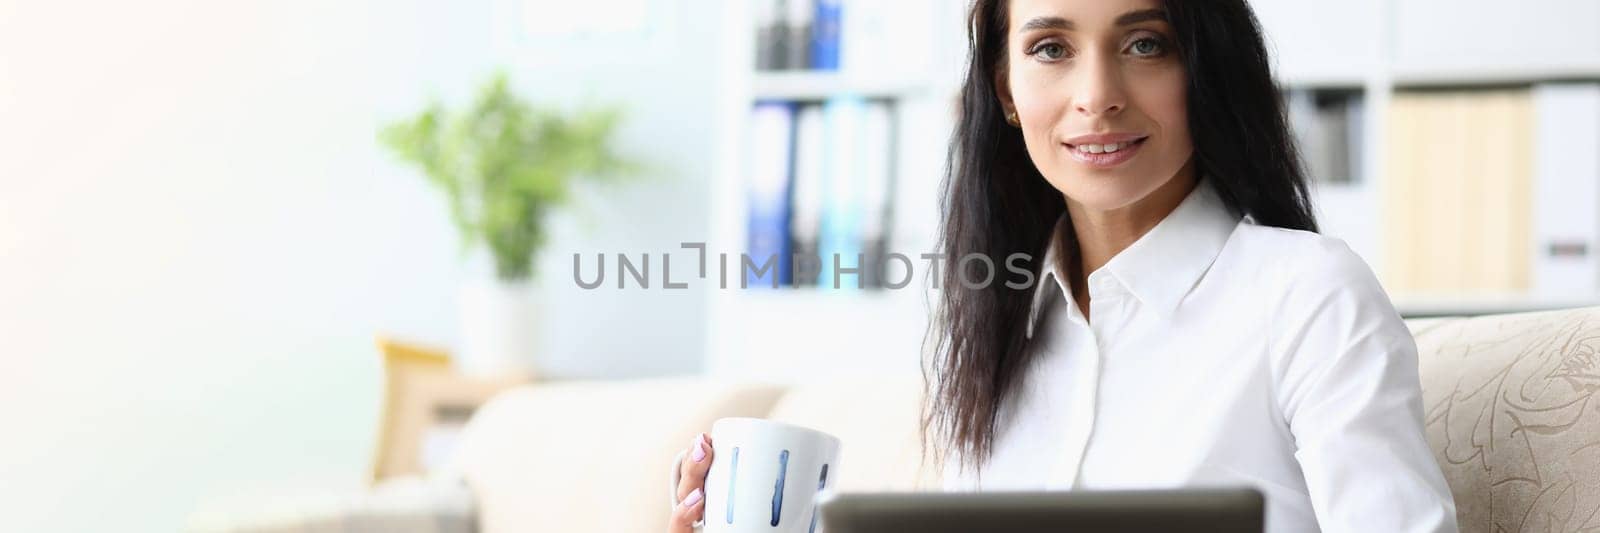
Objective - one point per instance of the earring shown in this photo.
(1011, 118)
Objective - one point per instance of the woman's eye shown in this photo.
(1147, 47)
(1050, 51)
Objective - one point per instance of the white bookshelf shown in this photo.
(787, 333)
(1452, 305)
(1418, 76)
(1386, 46)
(818, 86)
(1376, 47)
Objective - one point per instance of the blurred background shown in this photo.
(241, 264)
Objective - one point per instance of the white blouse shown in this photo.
(1224, 353)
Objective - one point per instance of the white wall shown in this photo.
(652, 57)
(199, 239)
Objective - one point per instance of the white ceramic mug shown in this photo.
(765, 476)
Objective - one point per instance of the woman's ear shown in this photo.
(1002, 90)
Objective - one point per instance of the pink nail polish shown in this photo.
(699, 449)
(692, 498)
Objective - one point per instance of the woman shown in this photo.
(1187, 326)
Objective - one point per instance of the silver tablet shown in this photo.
(1205, 510)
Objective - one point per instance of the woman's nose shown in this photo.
(1099, 90)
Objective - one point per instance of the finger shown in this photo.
(692, 472)
(689, 511)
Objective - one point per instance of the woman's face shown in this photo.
(1099, 90)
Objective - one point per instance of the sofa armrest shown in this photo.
(1509, 413)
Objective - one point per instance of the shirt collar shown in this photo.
(1163, 265)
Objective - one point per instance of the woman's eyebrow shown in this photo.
(1135, 17)
(1126, 19)
(1047, 23)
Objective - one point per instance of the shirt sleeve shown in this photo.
(1352, 399)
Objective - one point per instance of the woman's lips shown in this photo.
(1105, 155)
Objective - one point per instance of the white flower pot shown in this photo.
(499, 328)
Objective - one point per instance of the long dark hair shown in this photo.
(996, 203)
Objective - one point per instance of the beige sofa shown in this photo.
(1510, 401)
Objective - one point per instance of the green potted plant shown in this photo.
(505, 166)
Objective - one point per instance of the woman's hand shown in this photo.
(692, 486)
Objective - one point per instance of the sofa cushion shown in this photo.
(876, 420)
(1513, 418)
(590, 456)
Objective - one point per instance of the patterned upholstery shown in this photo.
(1513, 418)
